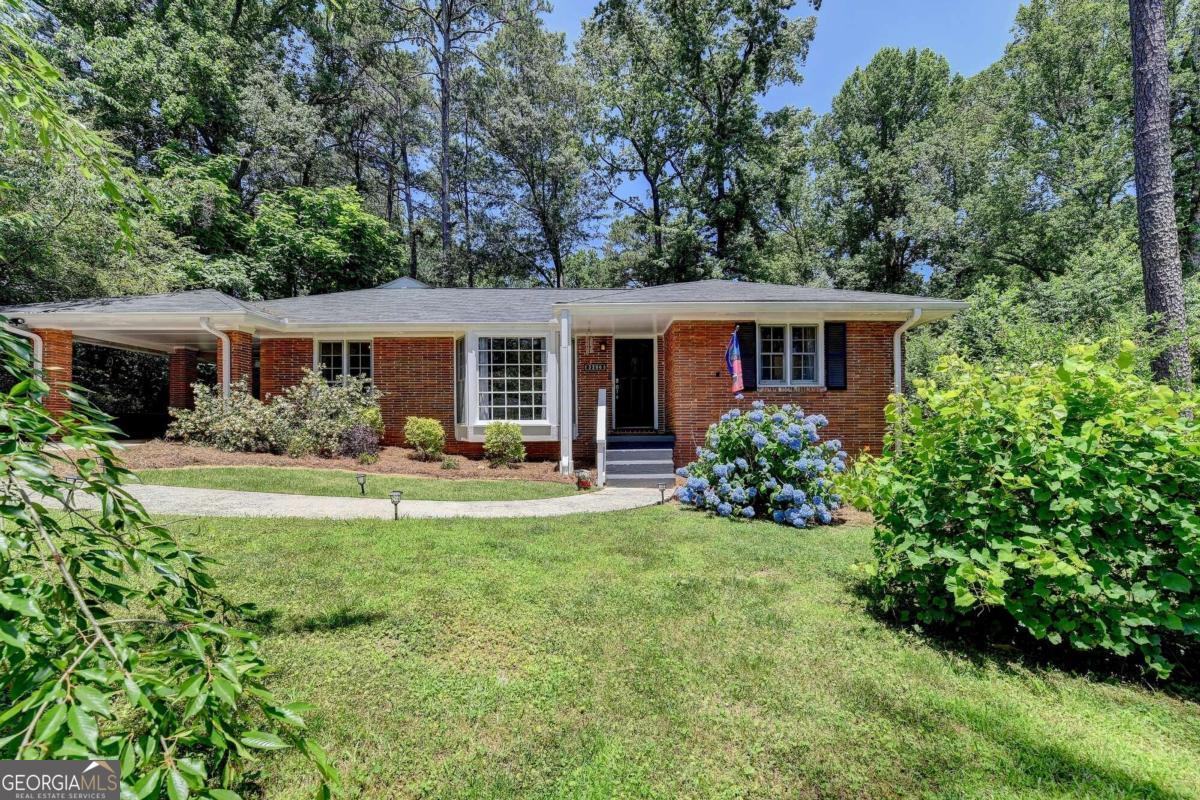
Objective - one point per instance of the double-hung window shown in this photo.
(789, 355)
(512, 378)
(343, 359)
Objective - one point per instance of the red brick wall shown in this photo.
(416, 377)
(281, 363)
(588, 384)
(181, 372)
(697, 387)
(57, 363)
(241, 363)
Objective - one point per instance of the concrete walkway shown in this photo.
(228, 503)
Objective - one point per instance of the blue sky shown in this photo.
(970, 33)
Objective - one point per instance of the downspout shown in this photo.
(897, 350)
(226, 356)
(38, 346)
(898, 367)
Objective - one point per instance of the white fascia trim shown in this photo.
(939, 309)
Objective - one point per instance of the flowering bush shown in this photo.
(768, 462)
(1061, 498)
(311, 417)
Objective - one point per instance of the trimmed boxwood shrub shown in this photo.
(769, 462)
(426, 436)
(1064, 498)
(502, 443)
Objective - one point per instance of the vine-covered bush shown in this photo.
(1063, 497)
(114, 641)
(502, 443)
(310, 417)
(426, 436)
(769, 462)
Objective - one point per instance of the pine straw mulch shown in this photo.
(158, 454)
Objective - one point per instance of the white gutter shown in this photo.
(897, 350)
(38, 346)
(226, 356)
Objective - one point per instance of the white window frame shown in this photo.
(550, 376)
(345, 343)
(787, 353)
(460, 394)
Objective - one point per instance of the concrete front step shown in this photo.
(644, 454)
(641, 482)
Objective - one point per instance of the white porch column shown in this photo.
(566, 400)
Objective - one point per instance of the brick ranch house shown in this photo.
(650, 362)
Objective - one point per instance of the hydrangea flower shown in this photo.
(683, 471)
(741, 463)
(759, 440)
(739, 396)
(724, 509)
(757, 404)
(748, 512)
(755, 416)
(734, 413)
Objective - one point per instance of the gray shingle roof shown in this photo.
(431, 306)
(717, 291)
(199, 301)
(434, 306)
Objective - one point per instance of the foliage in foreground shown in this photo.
(113, 640)
(1063, 496)
(310, 417)
(767, 462)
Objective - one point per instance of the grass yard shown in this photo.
(341, 483)
(659, 653)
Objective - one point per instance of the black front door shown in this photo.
(633, 365)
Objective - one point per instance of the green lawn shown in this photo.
(340, 483)
(658, 653)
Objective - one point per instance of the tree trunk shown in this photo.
(444, 103)
(1162, 271)
(408, 210)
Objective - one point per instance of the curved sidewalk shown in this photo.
(228, 503)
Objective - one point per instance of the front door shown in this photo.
(633, 367)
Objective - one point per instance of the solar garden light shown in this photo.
(662, 494)
(396, 496)
(362, 482)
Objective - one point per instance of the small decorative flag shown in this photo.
(733, 361)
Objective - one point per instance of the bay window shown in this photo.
(789, 355)
(512, 378)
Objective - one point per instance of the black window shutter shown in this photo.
(748, 343)
(835, 355)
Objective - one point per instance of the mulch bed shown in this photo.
(158, 454)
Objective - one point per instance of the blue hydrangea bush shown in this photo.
(769, 462)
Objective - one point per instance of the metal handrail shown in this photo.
(601, 436)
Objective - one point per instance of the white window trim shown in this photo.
(787, 353)
(551, 376)
(345, 343)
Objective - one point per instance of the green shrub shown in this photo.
(769, 463)
(239, 423)
(449, 463)
(426, 436)
(311, 417)
(1064, 497)
(502, 443)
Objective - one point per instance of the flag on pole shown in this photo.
(733, 361)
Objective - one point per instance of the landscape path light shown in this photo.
(396, 496)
